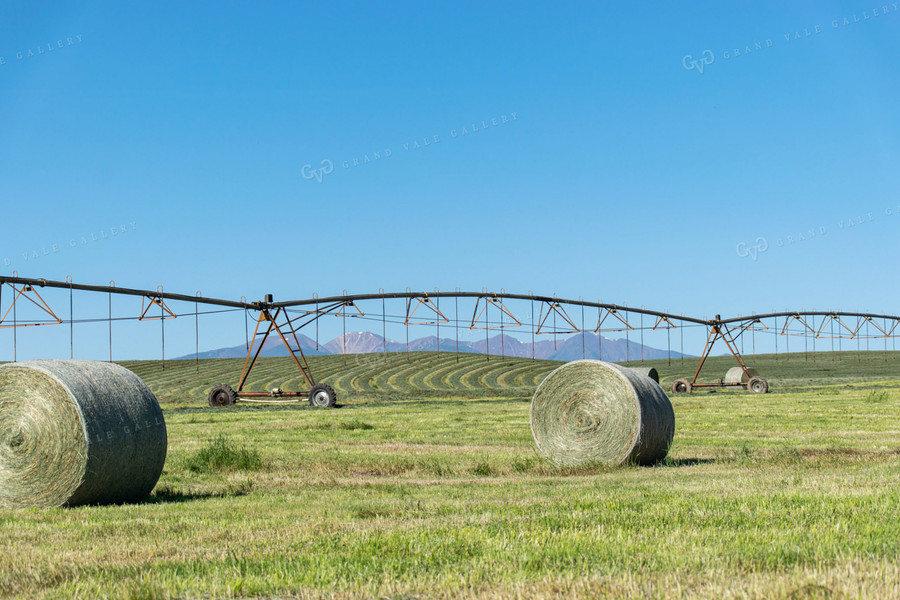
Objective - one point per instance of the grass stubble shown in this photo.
(789, 495)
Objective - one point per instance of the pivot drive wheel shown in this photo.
(322, 396)
(682, 386)
(222, 395)
(758, 385)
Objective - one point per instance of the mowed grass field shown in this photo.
(425, 483)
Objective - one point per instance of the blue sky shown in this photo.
(624, 174)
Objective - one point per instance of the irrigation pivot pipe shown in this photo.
(274, 320)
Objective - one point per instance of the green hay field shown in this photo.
(425, 483)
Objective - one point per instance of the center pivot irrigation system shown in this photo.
(284, 320)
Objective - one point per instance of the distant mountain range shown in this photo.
(364, 342)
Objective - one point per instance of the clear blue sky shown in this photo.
(624, 174)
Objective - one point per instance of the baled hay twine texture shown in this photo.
(590, 412)
(77, 432)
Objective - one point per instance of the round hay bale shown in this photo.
(592, 412)
(77, 432)
(650, 372)
(737, 375)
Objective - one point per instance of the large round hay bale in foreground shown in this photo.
(77, 432)
(590, 412)
(737, 375)
(650, 372)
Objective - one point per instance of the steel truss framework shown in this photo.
(283, 320)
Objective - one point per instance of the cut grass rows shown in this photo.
(427, 374)
(424, 374)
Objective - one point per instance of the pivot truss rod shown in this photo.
(794, 323)
(554, 317)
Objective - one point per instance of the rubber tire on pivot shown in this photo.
(682, 386)
(222, 395)
(757, 385)
(322, 396)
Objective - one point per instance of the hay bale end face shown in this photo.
(77, 432)
(650, 372)
(737, 375)
(591, 412)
